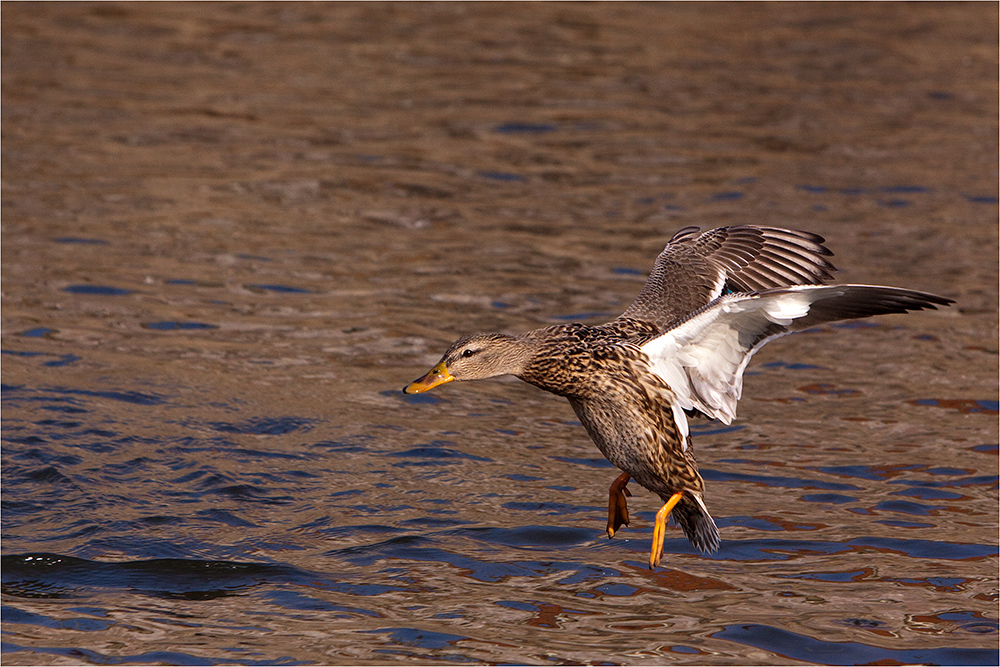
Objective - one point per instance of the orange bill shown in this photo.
(435, 377)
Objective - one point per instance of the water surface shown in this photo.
(232, 232)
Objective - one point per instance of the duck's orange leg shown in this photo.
(660, 529)
(617, 505)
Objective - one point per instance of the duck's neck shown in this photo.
(518, 352)
(542, 357)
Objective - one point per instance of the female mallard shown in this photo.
(711, 301)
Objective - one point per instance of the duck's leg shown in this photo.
(617, 505)
(660, 529)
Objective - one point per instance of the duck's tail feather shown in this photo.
(698, 525)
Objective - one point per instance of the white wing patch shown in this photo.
(785, 308)
(703, 358)
(681, 421)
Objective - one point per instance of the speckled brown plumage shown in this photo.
(746, 258)
(710, 302)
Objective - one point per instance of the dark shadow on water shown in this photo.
(11, 614)
(170, 325)
(81, 655)
(777, 549)
(529, 536)
(281, 289)
(419, 638)
(266, 425)
(550, 508)
(101, 290)
(801, 647)
(436, 453)
(300, 602)
(16, 393)
(46, 575)
(491, 565)
(589, 462)
(775, 481)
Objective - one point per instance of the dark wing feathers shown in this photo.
(832, 303)
(857, 301)
(747, 253)
(694, 268)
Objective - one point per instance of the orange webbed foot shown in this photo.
(617, 505)
(660, 529)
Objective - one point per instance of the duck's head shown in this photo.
(475, 357)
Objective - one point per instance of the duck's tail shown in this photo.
(698, 525)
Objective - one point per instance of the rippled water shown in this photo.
(232, 232)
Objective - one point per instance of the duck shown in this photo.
(711, 300)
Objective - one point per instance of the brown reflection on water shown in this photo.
(965, 406)
(232, 232)
(682, 581)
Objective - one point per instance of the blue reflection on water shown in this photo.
(802, 647)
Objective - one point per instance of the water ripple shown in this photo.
(802, 647)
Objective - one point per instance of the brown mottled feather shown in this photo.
(626, 410)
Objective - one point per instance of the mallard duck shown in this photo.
(711, 301)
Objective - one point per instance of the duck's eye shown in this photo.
(467, 352)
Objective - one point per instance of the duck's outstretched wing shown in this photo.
(695, 269)
(703, 358)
